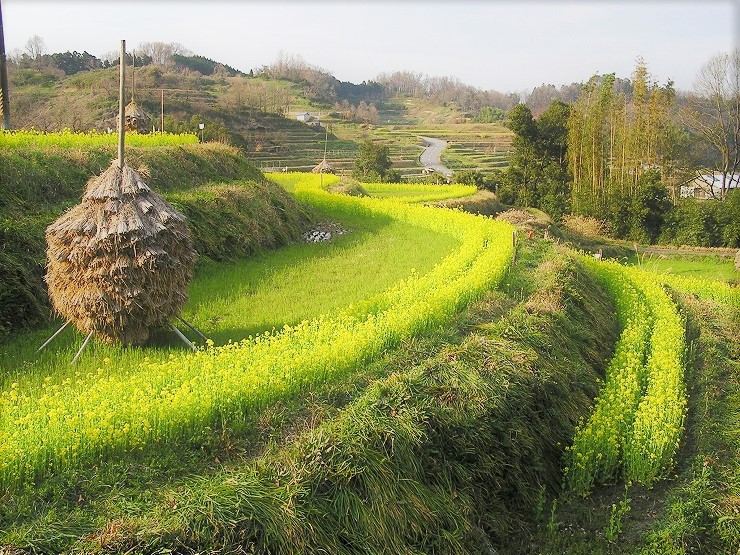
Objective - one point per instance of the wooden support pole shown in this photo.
(192, 327)
(84, 344)
(161, 129)
(183, 338)
(4, 94)
(121, 107)
(46, 343)
(133, 75)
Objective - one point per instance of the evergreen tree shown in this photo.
(374, 163)
(538, 171)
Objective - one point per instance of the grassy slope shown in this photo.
(38, 184)
(436, 456)
(710, 267)
(696, 510)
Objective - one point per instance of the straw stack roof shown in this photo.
(136, 119)
(120, 262)
(323, 167)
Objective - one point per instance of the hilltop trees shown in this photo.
(35, 47)
(161, 52)
(445, 89)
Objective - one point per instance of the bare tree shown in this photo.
(713, 112)
(15, 55)
(162, 52)
(35, 47)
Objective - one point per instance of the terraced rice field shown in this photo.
(299, 147)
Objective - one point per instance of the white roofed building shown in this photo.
(709, 186)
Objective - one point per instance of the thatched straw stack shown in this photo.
(120, 261)
(323, 167)
(136, 119)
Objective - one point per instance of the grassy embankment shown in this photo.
(696, 510)
(39, 184)
(413, 304)
(443, 445)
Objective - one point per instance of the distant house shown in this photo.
(709, 186)
(304, 117)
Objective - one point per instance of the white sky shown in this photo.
(502, 45)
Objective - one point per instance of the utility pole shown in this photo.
(323, 163)
(161, 113)
(326, 141)
(121, 109)
(4, 94)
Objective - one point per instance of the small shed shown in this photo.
(709, 186)
(304, 117)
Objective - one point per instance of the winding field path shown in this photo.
(430, 156)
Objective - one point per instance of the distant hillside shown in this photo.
(256, 111)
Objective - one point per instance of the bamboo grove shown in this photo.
(617, 144)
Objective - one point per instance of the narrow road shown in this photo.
(430, 156)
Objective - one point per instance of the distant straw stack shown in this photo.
(136, 119)
(323, 167)
(119, 263)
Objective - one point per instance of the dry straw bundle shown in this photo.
(135, 119)
(323, 167)
(119, 263)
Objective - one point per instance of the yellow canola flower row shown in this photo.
(638, 418)
(596, 453)
(418, 192)
(703, 288)
(658, 426)
(91, 139)
(101, 414)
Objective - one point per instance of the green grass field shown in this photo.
(708, 267)
(303, 281)
(418, 192)
(253, 295)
